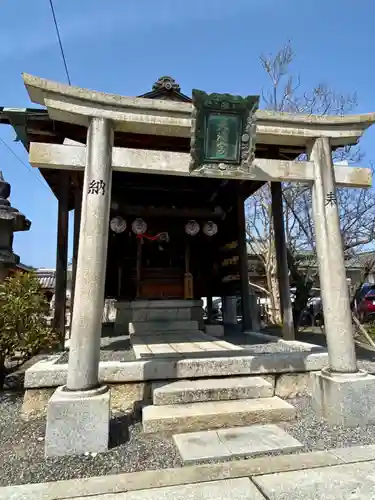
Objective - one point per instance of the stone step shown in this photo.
(191, 417)
(163, 304)
(212, 389)
(160, 314)
(224, 444)
(146, 327)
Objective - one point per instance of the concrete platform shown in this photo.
(212, 389)
(195, 447)
(47, 373)
(213, 415)
(179, 344)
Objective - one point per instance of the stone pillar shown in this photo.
(332, 274)
(92, 258)
(59, 320)
(244, 262)
(341, 393)
(282, 261)
(78, 414)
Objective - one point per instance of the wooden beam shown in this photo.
(282, 261)
(243, 261)
(61, 257)
(68, 157)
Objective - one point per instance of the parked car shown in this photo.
(364, 303)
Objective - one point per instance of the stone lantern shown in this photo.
(11, 220)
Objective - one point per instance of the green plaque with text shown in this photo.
(223, 132)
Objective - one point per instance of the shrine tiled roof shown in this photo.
(47, 278)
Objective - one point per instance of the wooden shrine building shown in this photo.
(172, 236)
(152, 265)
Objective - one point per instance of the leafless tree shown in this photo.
(356, 206)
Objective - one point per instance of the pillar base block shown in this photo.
(346, 399)
(77, 422)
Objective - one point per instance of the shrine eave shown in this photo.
(141, 115)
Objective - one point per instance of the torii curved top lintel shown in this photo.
(159, 117)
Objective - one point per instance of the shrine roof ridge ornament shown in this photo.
(163, 117)
(167, 83)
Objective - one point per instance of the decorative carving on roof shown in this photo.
(166, 89)
(166, 83)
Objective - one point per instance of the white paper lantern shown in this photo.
(210, 228)
(192, 228)
(118, 224)
(139, 226)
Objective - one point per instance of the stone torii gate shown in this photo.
(342, 393)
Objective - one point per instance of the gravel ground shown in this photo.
(112, 349)
(315, 433)
(104, 356)
(22, 451)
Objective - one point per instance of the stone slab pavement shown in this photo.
(350, 481)
(172, 344)
(236, 489)
(234, 442)
(337, 474)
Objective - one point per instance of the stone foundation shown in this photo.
(291, 385)
(77, 422)
(128, 398)
(345, 399)
(125, 399)
(156, 310)
(35, 403)
(47, 373)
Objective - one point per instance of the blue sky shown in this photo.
(123, 46)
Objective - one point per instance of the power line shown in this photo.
(60, 42)
(23, 163)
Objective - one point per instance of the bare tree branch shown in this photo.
(356, 206)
